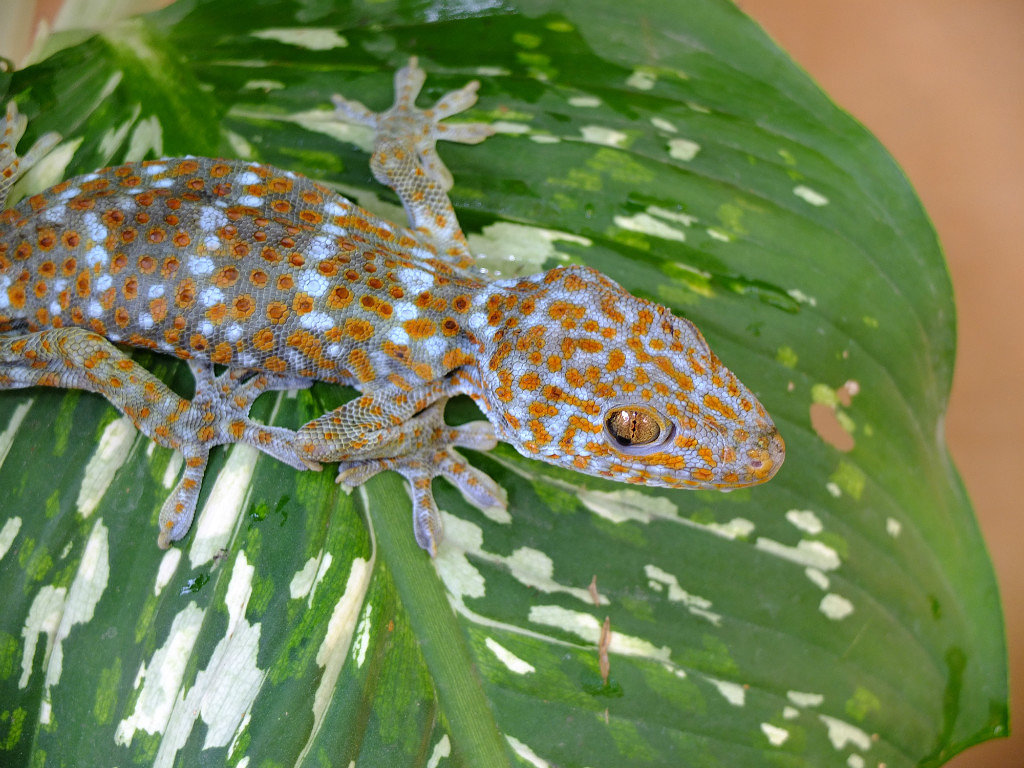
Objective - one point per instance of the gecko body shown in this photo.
(284, 282)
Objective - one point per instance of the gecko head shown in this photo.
(581, 374)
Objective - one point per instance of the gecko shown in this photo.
(261, 279)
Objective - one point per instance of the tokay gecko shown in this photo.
(281, 281)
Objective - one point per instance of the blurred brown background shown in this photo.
(941, 83)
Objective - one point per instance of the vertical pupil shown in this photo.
(632, 427)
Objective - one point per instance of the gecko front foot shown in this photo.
(430, 453)
(12, 128)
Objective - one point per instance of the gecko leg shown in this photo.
(75, 358)
(12, 128)
(405, 155)
(374, 433)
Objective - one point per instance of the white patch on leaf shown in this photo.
(111, 452)
(812, 554)
(733, 693)
(161, 679)
(220, 513)
(223, 692)
(809, 195)
(805, 520)
(698, 606)
(587, 627)
(505, 248)
(441, 750)
(168, 565)
(841, 733)
(334, 648)
(804, 699)
(599, 134)
(509, 659)
(311, 38)
(835, 607)
(8, 534)
(527, 754)
(683, 149)
(7, 436)
(776, 736)
(648, 225)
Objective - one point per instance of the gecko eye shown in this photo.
(635, 426)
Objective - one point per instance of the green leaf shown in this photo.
(844, 614)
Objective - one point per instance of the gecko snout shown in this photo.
(766, 455)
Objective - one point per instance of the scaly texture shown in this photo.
(283, 281)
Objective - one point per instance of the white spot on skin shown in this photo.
(252, 201)
(313, 283)
(776, 736)
(8, 534)
(111, 452)
(835, 607)
(509, 659)
(153, 170)
(247, 178)
(96, 255)
(598, 134)
(162, 183)
(683, 149)
(415, 280)
(210, 296)
(311, 38)
(211, 218)
(200, 265)
(93, 228)
(841, 734)
(316, 321)
(805, 520)
(398, 335)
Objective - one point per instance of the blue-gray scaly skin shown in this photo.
(284, 282)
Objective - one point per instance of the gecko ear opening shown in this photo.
(636, 429)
